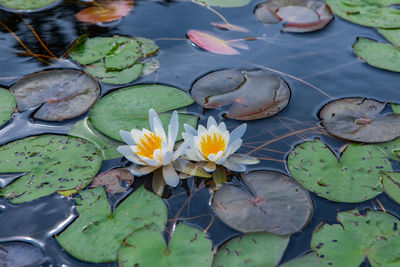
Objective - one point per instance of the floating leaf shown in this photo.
(393, 35)
(124, 76)
(7, 105)
(28, 6)
(211, 43)
(374, 236)
(115, 181)
(225, 3)
(60, 93)
(273, 202)
(150, 65)
(20, 254)
(298, 15)
(357, 119)
(89, 50)
(85, 130)
(395, 108)
(105, 12)
(124, 56)
(308, 260)
(190, 168)
(372, 13)
(97, 234)
(128, 108)
(244, 95)
(51, 163)
(229, 27)
(255, 249)
(147, 247)
(355, 177)
(391, 185)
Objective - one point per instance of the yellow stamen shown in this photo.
(212, 144)
(148, 143)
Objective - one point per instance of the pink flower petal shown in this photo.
(211, 43)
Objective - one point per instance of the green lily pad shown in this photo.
(129, 107)
(308, 260)
(50, 163)
(7, 105)
(124, 56)
(372, 13)
(99, 71)
(358, 119)
(391, 185)
(98, 233)
(225, 3)
(255, 249)
(84, 129)
(28, 6)
(392, 35)
(390, 149)
(355, 177)
(374, 236)
(380, 55)
(272, 202)
(147, 247)
(90, 50)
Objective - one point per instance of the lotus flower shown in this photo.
(150, 150)
(216, 146)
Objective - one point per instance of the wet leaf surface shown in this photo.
(89, 50)
(359, 120)
(27, 6)
(97, 234)
(59, 94)
(391, 185)
(128, 108)
(51, 163)
(105, 12)
(393, 35)
(255, 249)
(124, 76)
(20, 254)
(273, 203)
(212, 43)
(7, 105)
(188, 246)
(243, 95)
(355, 177)
(374, 236)
(225, 3)
(308, 260)
(298, 15)
(115, 181)
(124, 55)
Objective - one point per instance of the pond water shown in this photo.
(318, 67)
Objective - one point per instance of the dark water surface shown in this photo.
(323, 59)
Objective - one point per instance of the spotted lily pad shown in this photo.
(298, 15)
(105, 12)
(129, 107)
(243, 95)
(359, 120)
(20, 254)
(255, 249)
(225, 3)
(21, 6)
(355, 177)
(391, 185)
(59, 94)
(98, 233)
(373, 236)
(50, 163)
(147, 247)
(308, 260)
(7, 105)
(273, 202)
(115, 181)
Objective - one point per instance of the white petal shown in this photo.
(193, 155)
(211, 121)
(243, 159)
(200, 155)
(170, 175)
(212, 157)
(167, 158)
(238, 133)
(189, 129)
(173, 128)
(229, 164)
(152, 116)
(210, 167)
(130, 155)
(157, 126)
(201, 131)
(179, 151)
(222, 127)
(233, 147)
(189, 140)
(127, 137)
(140, 171)
(219, 155)
(136, 135)
(151, 162)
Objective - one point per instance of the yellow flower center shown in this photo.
(148, 143)
(212, 144)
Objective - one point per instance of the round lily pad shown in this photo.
(243, 95)
(50, 163)
(251, 250)
(59, 94)
(298, 15)
(128, 108)
(359, 120)
(373, 236)
(115, 181)
(188, 246)
(20, 254)
(98, 233)
(22, 6)
(7, 105)
(99, 71)
(225, 3)
(355, 177)
(272, 202)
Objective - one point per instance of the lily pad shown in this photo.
(372, 13)
(147, 247)
(21, 6)
(115, 181)
(89, 50)
(373, 236)
(59, 94)
(50, 163)
(7, 105)
(225, 3)
(355, 177)
(85, 130)
(392, 35)
(255, 249)
(380, 55)
(129, 107)
(308, 260)
(273, 203)
(105, 12)
(99, 71)
(298, 15)
(359, 120)
(243, 95)
(391, 185)
(20, 254)
(124, 56)
(98, 233)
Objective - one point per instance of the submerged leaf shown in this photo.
(225, 3)
(211, 43)
(115, 181)
(7, 105)
(105, 12)
(20, 254)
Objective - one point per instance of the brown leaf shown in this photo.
(105, 12)
(116, 181)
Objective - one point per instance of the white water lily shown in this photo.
(150, 150)
(216, 146)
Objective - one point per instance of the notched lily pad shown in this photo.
(243, 95)
(298, 15)
(105, 12)
(20, 254)
(273, 203)
(23, 6)
(115, 181)
(358, 119)
(59, 94)
(7, 105)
